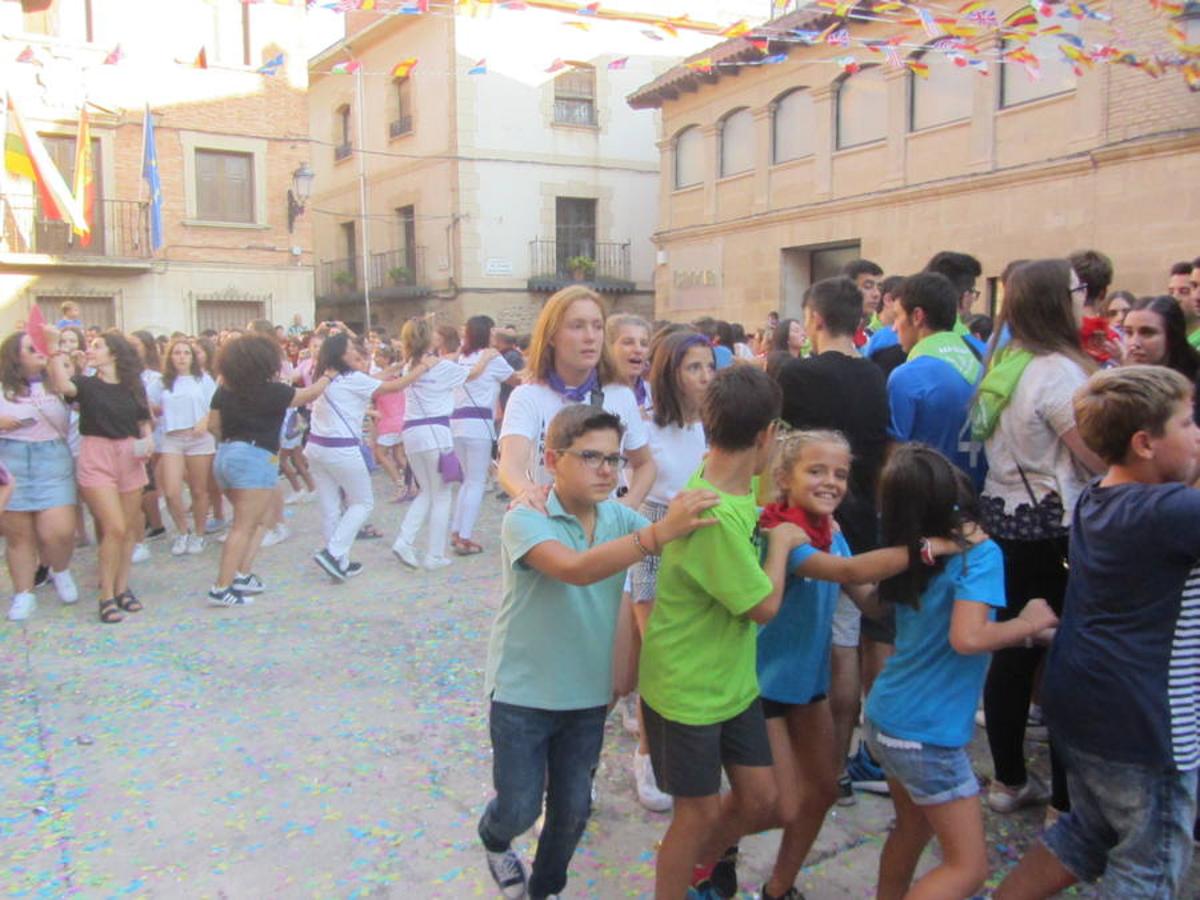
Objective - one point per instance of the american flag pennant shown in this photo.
(114, 56)
(839, 38)
(930, 23)
(616, 64)
(480, 68)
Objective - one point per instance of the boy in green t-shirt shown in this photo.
(697, 673)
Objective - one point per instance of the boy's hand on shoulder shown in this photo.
(685, 514)
(788, 534)
(533, 497)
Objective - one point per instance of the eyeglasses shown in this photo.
(1082, 286)
(594, 458)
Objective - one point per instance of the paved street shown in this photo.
(328, 741)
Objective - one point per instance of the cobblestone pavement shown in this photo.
(328, 741)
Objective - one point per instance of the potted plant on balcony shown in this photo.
(400, 275)
(582, 267)
(343, 281)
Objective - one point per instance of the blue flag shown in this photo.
(150, 173)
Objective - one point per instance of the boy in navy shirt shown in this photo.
(1122, 683)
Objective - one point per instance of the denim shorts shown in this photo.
(1131, 824)
(243, 466)
(44, 472)
(932, 775)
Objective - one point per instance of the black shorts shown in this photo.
(881, 630)
(777, 709)
(687, 759)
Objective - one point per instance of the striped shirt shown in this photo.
(1183, 684)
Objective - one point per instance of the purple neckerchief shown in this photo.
(640, 392)
(579, 394)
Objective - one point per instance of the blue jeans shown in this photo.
(1129, 823)
(932, 775)
(536, 751)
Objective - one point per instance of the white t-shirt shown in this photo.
(1030, 432)
(152, 382)
(351, 394)
(431, 396)
(186, 402)
(483, 391)
(532, 406)
(677, 453)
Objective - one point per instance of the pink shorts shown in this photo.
(104, 462)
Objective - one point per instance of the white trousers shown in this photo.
(339, 471)
(433, 503)
(475, 454)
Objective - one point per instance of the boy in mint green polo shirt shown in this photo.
(697, 674)
(549, 668)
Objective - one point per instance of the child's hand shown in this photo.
(788, 534)
(684, 514)
(1037, 612)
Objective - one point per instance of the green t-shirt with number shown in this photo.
(698, 656)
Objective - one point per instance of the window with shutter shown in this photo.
(224, 186)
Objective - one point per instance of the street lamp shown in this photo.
(299, 193)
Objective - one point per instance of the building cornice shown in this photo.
(1171, 144)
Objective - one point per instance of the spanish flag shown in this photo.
(84, 188)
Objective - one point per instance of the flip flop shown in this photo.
(368, 533)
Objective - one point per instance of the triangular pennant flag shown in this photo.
(618, 63)
(848, 64)
(272, 65)
(346, 68)
(700, 65)
(737, 29)
(557, 66)
(480, 68)
(26, 55)
(404, 67)
(114, 56)
(918, 67)
(201, 59)
(590, 10)
(759, 44)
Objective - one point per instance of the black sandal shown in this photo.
(128, 602)
(110, 611)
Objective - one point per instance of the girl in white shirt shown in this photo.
(333, 452)
(683, 367)
(473, 423)
(568, 363)
(429, 401)
(628, 339)
(188, 447)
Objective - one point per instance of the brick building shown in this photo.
(776, 178)
(228, 139)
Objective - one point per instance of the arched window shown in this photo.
(1055, 74)
(946, 95)
(737, 143)
(689, 157)
(792, 126)
(861, 108)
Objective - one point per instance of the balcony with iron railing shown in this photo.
(120, 235)
(556, 264)
(400, 126)
(393, 274)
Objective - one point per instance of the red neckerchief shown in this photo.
(818, 528)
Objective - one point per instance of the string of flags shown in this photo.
(964, 35)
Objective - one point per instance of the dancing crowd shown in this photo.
(887, 511)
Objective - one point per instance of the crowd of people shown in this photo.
(887, 511)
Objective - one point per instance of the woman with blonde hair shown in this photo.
(568, 362)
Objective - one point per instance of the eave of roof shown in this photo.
(682, 79)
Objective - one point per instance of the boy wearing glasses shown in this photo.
(549, 668)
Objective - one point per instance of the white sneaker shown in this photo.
(433, 564)
(293, 498)
(195, 543)
(276, 535)
(307, 496)
(179, 545)
(406, 554)
(629, 718)
(647, 788)
(64, 586)
(508, 872)
(1003, 799)
(141, 553)
(23, 605)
